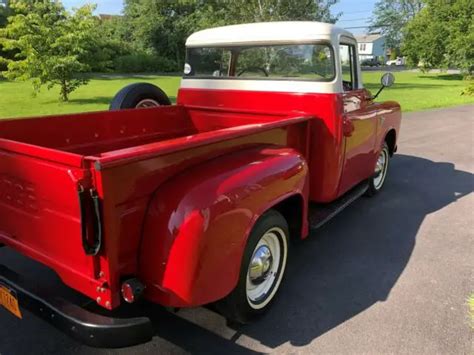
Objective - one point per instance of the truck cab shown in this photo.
(296, 67)
(183, 205)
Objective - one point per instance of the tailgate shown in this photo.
(49, 211)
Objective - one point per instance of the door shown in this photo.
(359, 122)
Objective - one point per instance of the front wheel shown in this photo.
(377, 181)
(263, 267)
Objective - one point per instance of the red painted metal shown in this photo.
(180, 186)
(39, 181)
(196, 228)
(332, 114)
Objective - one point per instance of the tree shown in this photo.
(442, 35)
(4, 13)
(162, 26)
(53, 46)
(239, 11)
(111, 44)
(391, 16)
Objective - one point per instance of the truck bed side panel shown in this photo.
(127, 187)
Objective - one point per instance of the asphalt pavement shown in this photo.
(390, 274)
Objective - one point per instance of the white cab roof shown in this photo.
(267, 32)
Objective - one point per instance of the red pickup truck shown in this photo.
(183, 205)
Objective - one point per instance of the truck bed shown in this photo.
(99, 133)
(66, 181)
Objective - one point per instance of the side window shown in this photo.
(347, 54)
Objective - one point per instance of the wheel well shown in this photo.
(391, 139)
(292, 209)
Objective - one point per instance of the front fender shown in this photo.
(390, 119)
(197, 224)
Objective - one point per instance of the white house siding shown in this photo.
(371, 46)
(365, 49)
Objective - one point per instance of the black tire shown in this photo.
(374, 187)
(237, 307)
(131, 96)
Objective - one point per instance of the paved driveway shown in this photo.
(389, 275)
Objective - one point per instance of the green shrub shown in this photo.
(469, 89)
(143, 63)
(3, 65)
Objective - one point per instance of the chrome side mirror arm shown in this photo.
(387, 80)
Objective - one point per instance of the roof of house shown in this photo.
(265, 32)
(368, 38)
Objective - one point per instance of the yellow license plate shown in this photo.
(9, 301)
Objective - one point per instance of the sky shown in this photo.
(355, 13)
(112, 7)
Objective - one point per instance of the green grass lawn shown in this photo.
(414, 91)
(418, 91)
(17, 100)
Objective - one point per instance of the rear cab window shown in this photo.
(314, 62)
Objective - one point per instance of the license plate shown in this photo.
(9, 300)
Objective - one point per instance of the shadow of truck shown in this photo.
(357, 258)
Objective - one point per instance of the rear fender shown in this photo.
(198, 223)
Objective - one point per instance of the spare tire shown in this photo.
(139, 95)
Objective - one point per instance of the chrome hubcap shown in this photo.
(266, 268)
(381, 169)
(260, 265)
(146, 103)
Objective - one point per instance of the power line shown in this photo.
(350, 28)
(355, 12)
(356, 19)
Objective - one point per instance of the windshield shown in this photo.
(291, 62)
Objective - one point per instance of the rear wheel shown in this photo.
(262, 270)
(139, 95)
(377, 181)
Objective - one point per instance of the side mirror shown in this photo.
(386, 80)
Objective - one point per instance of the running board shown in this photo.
(320, 214)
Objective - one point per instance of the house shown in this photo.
(371, 46)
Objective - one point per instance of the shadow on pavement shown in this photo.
(357, 258)
(341, 270)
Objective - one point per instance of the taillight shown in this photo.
(132, 290)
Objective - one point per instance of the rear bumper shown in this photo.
(85, 326)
